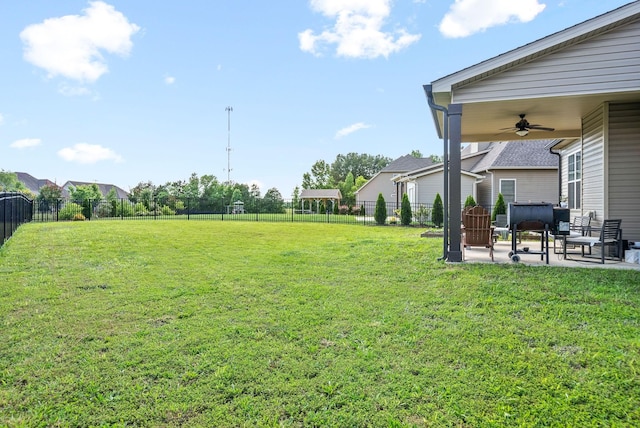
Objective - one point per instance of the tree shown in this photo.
(499, 208)
(272, 201)
(469, 202)
(357, 164)
(380, 214)
(9, 182)
(436, 158)
(89, 196)
(437, 214)
(405, 211)
(347, 189)
(48, 197)
(416, 154)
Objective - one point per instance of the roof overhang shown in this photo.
(484, 120)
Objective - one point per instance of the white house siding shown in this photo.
(624, 167)
(606, 63)
(594, 168)
(380, 183)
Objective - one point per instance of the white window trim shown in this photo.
(575, 180)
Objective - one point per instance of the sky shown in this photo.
(124, 92)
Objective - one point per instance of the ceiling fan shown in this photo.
(522, 127)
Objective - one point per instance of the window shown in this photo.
(508, 190)
(574, 180)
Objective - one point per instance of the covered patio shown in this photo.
(578, 88)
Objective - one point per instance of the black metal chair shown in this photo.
(581, 226)
(610, 236)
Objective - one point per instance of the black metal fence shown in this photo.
(212, 209)
(15, 209)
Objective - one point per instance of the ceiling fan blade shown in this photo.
(541, 128)
(508, 129)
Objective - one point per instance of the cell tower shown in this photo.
(229, 109)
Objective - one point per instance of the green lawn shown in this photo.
(175, 323)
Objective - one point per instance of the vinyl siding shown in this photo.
(427, 186)
(593, 164)
(531, 185)
(381, 183)
(609, 62)
(624, 167)
(573, 148)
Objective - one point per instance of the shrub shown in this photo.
(140, 209)
(86, 208)
(437, 215)
(470, 202)
(380, 214)
(405, 211)
(499, 208)
(355, 210)
(344, 209)
(167, 211)
(79, 217)
(124, 209)
(422, 215)
(69, 211)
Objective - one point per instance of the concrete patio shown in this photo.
(502, 248)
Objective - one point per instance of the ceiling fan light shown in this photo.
(522, 132)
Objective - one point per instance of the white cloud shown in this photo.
(72, 90)
(25, 143)
(467, 17)
(71, 46)
(169, 80)
(88, 153)
(357, 31)
(351, 129)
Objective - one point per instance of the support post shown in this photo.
(455, 168)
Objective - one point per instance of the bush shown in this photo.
(140, 209)
(405, 211)
(167, 211)
(343, 210)
(499, 208)
(69, 211)
(86, 208)
(422, 215)
(470, 202)
(380, 214)
(79, 217)
(437, 215)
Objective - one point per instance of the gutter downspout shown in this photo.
(428, 90)
(559, 173)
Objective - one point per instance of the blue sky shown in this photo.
(122, 91)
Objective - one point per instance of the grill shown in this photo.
(536, 217)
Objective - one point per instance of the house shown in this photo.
(581, 86)
(104, 188)
(32, 183)
(382, 182)
(520, 171)
(423, 184)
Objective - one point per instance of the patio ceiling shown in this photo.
(483, 121)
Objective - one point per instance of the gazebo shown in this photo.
(319, 195)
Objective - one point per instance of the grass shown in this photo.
(179, 323)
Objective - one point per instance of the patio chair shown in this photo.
(610, 236)
(478, 231)
(580, 226)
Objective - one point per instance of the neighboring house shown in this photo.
(521, 171)
(32, 183)
(583, 85)
(35, 184)
(383, 183)
(104, 188)
(423, 184)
